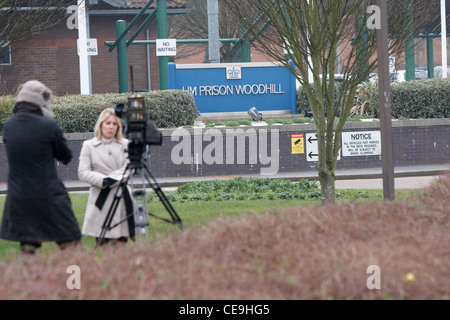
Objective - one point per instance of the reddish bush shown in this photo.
(313, 253)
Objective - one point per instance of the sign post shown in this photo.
(85, 79)
(163, 33)
(213, 31)
(387, 154)
(444, 39)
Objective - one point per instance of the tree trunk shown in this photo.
(327, 186)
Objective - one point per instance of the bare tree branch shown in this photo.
(20, 18)
(311, 32)
(194, 25)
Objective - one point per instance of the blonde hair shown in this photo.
(102, 118)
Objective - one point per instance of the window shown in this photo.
(5, 55)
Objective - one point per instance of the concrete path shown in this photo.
(399, 183)
(412, 177)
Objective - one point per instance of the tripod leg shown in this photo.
(110, 215)
(112, 209)
(156, 187)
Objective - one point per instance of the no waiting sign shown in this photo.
(166, 47)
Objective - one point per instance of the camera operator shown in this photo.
(37, 206)
(101, 157)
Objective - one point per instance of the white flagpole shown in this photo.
(82, 49)
(444, 39)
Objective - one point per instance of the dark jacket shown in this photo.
(37, 206)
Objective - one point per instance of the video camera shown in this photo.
(137, 128)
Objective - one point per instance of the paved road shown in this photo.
(413, 177)
(399, 183)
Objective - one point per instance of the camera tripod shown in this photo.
(140, 213)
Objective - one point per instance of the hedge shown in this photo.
(428, 98)
(78, 113)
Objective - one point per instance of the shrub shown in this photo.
(302, 99)
(171, 108)
(253, 188)
(366, 100)
(247, 189)
(6, 103)
(429, 98)
(78, 113)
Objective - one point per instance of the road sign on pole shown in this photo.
(166, 47)
(91, 47)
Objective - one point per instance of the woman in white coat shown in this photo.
(102, 156)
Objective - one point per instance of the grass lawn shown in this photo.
(191, 212)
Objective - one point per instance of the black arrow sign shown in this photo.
(311, 139)
(312, 155)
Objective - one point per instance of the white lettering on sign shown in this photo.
(367, 143)
(166, 47)
(224, 90)
(91, 47)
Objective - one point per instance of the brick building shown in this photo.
(51, 56)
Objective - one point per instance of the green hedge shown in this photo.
(429, 98)
(302, 99)
(6, 103)
(78, 113)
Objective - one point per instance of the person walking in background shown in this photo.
(102, 157)
(37, 207)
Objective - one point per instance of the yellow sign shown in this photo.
(298, 145)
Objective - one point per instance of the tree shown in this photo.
(20, 18)
(311, 32)
(194, 25)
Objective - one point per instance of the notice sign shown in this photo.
(297, 142)
(166, 47)
(366, 143)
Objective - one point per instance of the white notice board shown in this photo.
(361, 143)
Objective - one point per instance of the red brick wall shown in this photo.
(51, 57)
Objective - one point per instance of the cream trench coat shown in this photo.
(98, 160)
